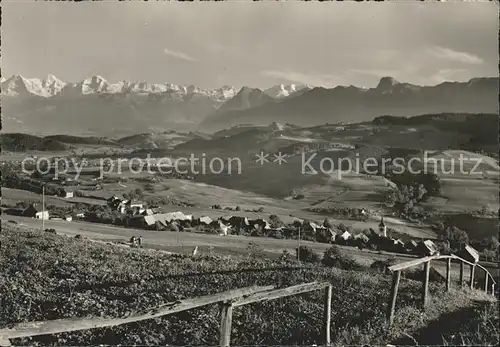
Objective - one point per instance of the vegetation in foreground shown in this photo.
(46, 276)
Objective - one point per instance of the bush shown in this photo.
(383, 265)
(307, 255)
(334, 258)
(255, 251)
(275, 221)
(286, 257)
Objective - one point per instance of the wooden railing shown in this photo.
(396, 270)
(227, 300)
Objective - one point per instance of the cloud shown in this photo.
(375, 72)
(178, 55)
(459, 57)
(444, 75)
(298, 77)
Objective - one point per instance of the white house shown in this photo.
(36, 211)
(345, 235)
(42, 215)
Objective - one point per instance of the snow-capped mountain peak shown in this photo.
(284, 90)
(51, 86)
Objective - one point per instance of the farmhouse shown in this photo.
(80, 214)
(333, 235)
(205, 220)
(260, 223)
(239, 222)
(161, 219)
(469, 253)
(36, 211)
(220, 227)
(361, 238)
(66, 193)
(345, 236)
(411, 246)
(311, 226)
(427, 248)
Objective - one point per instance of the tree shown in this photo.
(306, 254)
(138, 192)
(492, 243)
(327, 223)
(275, 221)
(454, 236)
(333, 257)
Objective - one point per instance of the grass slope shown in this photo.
(47, 276)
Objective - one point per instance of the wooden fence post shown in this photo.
(461, 273)
(471, 276)
(493, 289)
(486, 282)
(225, 324)
(425, 288)
(327, 313)
(448, 275)
(392, 299)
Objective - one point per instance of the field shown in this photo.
(56, 277)
(184, 242)
(12, 196)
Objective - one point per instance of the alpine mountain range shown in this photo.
(97, 107)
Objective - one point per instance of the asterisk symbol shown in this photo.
(280, 158)
(262, 158)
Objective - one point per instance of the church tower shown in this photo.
(382, 228)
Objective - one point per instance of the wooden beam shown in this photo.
(279, 293)
(485, 270)
(225, 324)
(72, 324)
(471, 276)
(423, 260)
(461, 274)
(448, 274)
(486, 275)
(392, 299)
(425, 286)
(327, 314)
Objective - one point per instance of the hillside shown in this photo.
(15, 142)
(60, 277)
(83, 140)
(353, 104)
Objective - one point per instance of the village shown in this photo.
(135, 214)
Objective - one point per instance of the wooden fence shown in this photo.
(228, 300)
(396, 270)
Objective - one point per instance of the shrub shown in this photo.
(255, 251)
(334, 258)
(275, 221)
(307, 255)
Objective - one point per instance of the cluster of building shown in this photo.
(38, 212)
(179, 221)
(126, 206)
(386, 243)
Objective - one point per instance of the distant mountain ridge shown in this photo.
(96, 107)
(352, 104)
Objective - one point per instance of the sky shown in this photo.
(252, 44)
